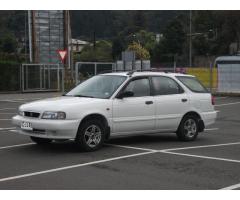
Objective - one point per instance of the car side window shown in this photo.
(140, 87)
(164, 86)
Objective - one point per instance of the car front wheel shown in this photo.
(90, 136)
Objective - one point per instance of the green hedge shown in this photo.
(9, 76)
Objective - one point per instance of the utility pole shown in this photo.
(66, 35)
(190, 38)
(34, 45)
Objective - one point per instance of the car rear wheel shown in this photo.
(41, 141)
(90, 136)
(188, 129)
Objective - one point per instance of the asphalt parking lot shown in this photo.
(155, 161)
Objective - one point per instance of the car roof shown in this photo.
(147, 73)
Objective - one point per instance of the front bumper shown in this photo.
(43, 128)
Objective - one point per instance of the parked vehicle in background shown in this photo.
(120, 104)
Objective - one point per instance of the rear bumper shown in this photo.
(209, 117)
(52, 129)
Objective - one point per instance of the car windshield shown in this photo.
(101, 86)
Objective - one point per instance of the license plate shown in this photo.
(26, 126)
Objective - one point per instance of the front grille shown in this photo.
(31, 114)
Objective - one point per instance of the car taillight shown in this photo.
(213, 100)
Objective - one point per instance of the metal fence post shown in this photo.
(22, 78)
(95, 68)
(211, 77)
(76, 73)
(63, 80)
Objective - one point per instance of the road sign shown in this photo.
(62, 54)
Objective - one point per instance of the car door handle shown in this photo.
(148, 102)
(184, 100)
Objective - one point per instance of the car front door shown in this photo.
(171, 103)
(134, 114)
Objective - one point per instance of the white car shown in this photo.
(121, 103)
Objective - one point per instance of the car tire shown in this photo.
(188, 128)
(91, 135)
(41, 141)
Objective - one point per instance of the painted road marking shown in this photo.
(19, 100)
(232, 187)
(14, 130)
(12, 101)
(211, 129)
(226, 104)
(149, 151)
(203, 146)
(73, 166)
(199, 156)
(131, 147)
(7, 113)
(8, 108)
(9, 128)
(16, 145)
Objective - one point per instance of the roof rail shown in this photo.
(131, 72)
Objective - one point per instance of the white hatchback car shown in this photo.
(120, 103)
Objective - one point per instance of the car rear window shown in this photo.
(192, 83)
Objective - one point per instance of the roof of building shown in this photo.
(228, 58)
(79, 42)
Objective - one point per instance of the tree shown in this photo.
(141, 52)
(101, 53)
(174, 37)
(8, 43)
(172, 42)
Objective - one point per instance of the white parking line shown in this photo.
(7, 113)
(5, 129)
(203, 146)
(8, 108)
(16, 145)
(227, 104)
(73, 166)
(12, 101)
(131, 147)
(19, 100)
(211, 129)
(232, 187)
(149, 151)
(198, 156)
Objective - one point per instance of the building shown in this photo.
(77, 45)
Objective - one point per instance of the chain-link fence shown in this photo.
(42, 77)
(85, 70)
(222, 78)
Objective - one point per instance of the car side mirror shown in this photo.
(125, 94)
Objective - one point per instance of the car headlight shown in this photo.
(54, 115)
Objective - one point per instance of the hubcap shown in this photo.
(92, 136)
(190, 128)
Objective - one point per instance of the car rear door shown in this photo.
(135, 114)
(171, 103)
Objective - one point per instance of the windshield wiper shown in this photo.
(78, 95)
